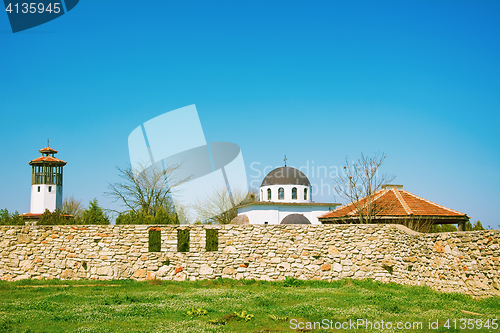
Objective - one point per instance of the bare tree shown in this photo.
(72, 206)
(419, 223)
(220, 207)
(358, 182)
(146, 190)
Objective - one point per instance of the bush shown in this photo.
(162, 217)
(7, 218)
(94, 215)
(55, 218)
(443, 228)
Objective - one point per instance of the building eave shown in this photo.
(436, 219)
(301, 204)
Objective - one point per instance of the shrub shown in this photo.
(443, 228)
(55, 218)
(162, 217)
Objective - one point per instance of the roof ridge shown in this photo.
(433, 203)
(402, 201)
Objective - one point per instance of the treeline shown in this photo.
(162, 216)
(451, 227)
(94, 214)
(73, 214)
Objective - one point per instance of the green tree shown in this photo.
(94, 214)
(7, 218)
(477, 226)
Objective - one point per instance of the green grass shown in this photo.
(225, 305)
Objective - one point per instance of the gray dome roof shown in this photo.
(285, 176)
(295, 219)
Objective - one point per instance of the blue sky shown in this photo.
(315, 80)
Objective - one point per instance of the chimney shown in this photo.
(392, 186)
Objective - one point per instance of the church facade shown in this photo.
(284, 198)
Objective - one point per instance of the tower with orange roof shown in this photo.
(46, 182)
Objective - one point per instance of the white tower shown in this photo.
(46, 182)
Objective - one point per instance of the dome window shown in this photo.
(281, 193)
(268, 194)
(305, 194)
(294, 193)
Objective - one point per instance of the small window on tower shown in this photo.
(50, 188)
(38, 188)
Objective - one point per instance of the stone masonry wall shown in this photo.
(465, 262)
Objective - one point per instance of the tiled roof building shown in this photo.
(392, 204)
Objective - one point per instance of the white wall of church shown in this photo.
(274, 214)
(287, 191)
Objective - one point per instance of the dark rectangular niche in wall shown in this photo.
(182, 240)
(212, 240)
(154, 240)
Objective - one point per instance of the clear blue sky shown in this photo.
(315, 80)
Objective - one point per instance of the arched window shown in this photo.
(281, 193)
(305, 194)
(261, 195)
(268, 194)
(294, 193)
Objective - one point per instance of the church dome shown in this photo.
(295, 219)
(285, 176)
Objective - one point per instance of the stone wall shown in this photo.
(465, 262)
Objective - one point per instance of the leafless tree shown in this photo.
(419, 223)
(146, 189)
(358, 182)
(72, 206)
(220, 206)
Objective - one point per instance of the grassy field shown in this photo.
(233, 306)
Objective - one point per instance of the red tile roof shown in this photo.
(48, 159)
(48, 150)
(395, 202)
(30, 214)
(38, 215)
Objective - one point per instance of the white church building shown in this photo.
(284, 198)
